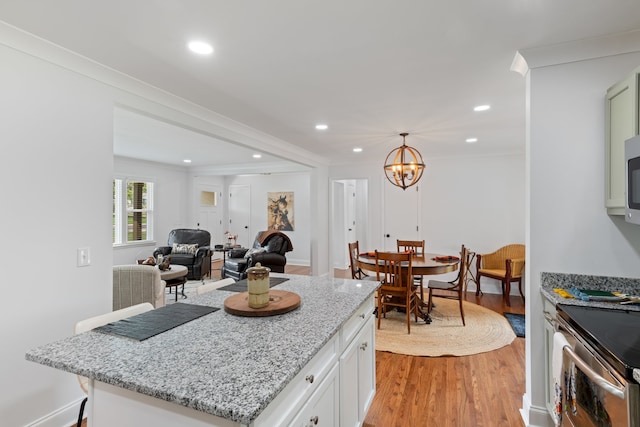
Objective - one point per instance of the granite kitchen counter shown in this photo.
(551, 281)
(221, 364)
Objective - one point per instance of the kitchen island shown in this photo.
(316, 363)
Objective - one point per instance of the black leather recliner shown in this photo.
(269, 249)
(190, 248)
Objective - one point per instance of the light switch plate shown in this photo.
(84, 257)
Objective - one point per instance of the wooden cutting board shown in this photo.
(280, 302)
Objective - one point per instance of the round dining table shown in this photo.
(426, 265)
(421, 265)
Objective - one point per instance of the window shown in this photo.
(132, 211)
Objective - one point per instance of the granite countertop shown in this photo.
(225, 365)
(551, 281)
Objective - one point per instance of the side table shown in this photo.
(175, 276)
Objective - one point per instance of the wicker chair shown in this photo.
(506, 265)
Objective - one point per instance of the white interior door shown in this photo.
(240, 213)
(339, 242)
(401, 213)
(209, 207)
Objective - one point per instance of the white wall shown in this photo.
(570, 231)
(170, 203)
(56, 169)
(475, 201)
(299, 184)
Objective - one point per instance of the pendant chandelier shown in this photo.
(403, 166)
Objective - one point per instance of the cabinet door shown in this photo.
(322, 409)
(358, 376)
(549, 314)
(366, 368)
(621, 124)
(349, 401)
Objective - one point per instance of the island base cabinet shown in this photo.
(322, 408)
(357, 376)
(114, 406)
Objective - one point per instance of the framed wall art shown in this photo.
(280, 211)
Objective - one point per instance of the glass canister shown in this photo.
(258, 286)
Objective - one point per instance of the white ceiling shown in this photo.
(370, 69)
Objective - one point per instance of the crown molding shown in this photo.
(575, 51)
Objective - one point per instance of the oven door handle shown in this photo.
(593, 375)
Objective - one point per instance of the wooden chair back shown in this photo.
(393, 270)
(389, 266)
(414, 246)
(354, 250)
(454, 289)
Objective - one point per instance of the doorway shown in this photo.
(240, 213)
(349, 218)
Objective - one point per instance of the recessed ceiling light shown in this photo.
(187, 160)
(471, 140)
(257, 156)
(199, 47)
(357, 150)
(482, 108)
(322, 127)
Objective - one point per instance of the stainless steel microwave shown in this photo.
(632, 183)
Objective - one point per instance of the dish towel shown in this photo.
(559, 342)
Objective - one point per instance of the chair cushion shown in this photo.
(235, 264)
(184, 248)
(182, 259)
(495, 273)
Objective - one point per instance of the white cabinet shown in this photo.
(621, 123)
(549, 312)
(357, 375)
(322, 408)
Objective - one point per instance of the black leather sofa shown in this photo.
(269, 249)
(191, 248)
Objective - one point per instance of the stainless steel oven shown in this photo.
(598, 387)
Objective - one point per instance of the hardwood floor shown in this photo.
(481, 390)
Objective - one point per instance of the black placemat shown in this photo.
(241, 285)
(148, 324)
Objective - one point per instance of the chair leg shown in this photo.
(407, 309)
(380, 296)
(478, 291)
(461, 310)
(520, 288)
(507, 291)
(80, 415)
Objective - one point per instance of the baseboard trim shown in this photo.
(64, 416)
(534, 416)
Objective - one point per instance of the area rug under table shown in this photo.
(485, 331)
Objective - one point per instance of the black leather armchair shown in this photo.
(269, 249)
(190, 248)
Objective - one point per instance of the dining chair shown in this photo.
(454, 289)
(506, 265)
(416, 248)
(102, 319)
(356, 272)
(203, 289)
(393, 271)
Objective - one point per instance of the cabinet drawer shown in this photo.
(297, 392)
(352, 326)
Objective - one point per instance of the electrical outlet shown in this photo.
(84, 257)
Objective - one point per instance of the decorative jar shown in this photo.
(258, 286)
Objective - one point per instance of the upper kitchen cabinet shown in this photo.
(621, 123)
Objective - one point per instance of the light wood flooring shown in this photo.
(470, 391)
